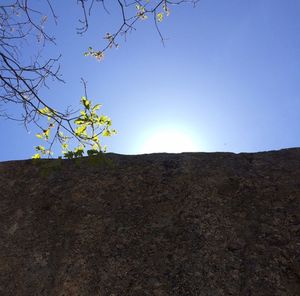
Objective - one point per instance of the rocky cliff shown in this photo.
(159, 224)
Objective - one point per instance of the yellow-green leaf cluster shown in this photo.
(141, 12)
(160, 15)
(98, 54)
(45, 134)
(41, 150)
(88, 126)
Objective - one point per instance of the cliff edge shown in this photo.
(188, 224)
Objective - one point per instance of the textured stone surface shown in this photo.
(161, 224)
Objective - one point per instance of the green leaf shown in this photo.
(40, 148)
(79, 148)
(45, 111)
(106, 133)
(103, 119)
(160, 16)
(92, 152)
(86, 103)
(80, 130)
(96, 147)
(166, 9)
(47, 133)
(79, 121)
(95, 139)
(78, 152)
(69, 154)
(36, 156)
(39, 136)
(64, 145)
(83, 114)
(96, 107)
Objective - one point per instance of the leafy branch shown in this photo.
(131, 12)
(86, 128)
(22, 77)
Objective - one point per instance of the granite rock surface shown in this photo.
(188, 224)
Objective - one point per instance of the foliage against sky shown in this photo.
(227, 77)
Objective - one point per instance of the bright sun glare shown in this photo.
(169, 141)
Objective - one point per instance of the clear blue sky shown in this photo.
(228, 79)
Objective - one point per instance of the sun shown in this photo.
(170, 141)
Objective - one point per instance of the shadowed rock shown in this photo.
(159, 224)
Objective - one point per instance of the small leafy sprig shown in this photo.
(131, 14)
(98, 54)
(88, 127)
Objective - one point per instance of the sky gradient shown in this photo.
(227, 79)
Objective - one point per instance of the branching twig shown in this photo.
(22, 77)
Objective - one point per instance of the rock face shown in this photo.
(160, 224)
